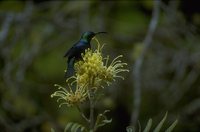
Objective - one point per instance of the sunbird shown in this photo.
(74, 53)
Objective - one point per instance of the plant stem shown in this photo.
(139, 63)
(83, 115)
(91, 111)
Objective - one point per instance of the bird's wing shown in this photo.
(70, 51)
(77, 49)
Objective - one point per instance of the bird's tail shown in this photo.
(70, 68)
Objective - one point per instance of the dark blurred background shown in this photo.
(35, 35)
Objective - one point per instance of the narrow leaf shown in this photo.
(82, 129)
(157, 129)
(172, 126)
(139, 126)
(52, 130)
(76, 128)
(107, 121)
(68, 126)
(148, 126)
(73, 129)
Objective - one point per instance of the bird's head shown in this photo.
(89, 35)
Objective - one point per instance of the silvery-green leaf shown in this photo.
(170, 129)
(157, 129)
(148, 126)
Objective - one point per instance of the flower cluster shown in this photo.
(70, 97)
(90, 74)
(89, 70)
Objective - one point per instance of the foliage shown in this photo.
(90, 75)
(35, 35)
(158, 127)
(74, 127)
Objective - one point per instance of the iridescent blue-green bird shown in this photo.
(74, 53)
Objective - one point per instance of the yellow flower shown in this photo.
(93, 70)
(91, 65)
(89, 70)
(112, 70)
(91, 73)
(70, 97)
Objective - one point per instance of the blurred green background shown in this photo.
(34, 36)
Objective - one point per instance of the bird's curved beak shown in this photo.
(99, 33)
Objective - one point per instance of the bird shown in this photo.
(74, 53)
